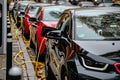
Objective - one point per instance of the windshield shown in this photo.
(22, 7)
(33, 10)
(86, 4)
(107, 1)
(53, 13)
(98, 26)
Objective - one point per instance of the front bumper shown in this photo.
(86, 74)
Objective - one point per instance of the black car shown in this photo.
(85, 45)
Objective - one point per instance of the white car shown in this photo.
(86, 4)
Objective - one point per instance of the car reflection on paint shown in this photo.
(84, 45)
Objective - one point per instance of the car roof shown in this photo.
(61, 6)
(86, 2)
(94, 9)
(25, 1)
(40, 4)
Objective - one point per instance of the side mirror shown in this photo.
(53, 33)
(46, 29)
(32, 19)
(56, 34)
(22, 12)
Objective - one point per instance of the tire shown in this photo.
(32, 45)
(64, 76)
(27, 36)
(22, 31)
(18, 22)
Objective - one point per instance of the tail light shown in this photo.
(117, 67)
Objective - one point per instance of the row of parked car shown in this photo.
(75, 43)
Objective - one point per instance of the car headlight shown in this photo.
(94, 65)
(117, 67)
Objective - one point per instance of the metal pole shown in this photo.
(9, 55)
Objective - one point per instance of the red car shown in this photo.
(48, 16)
(30, 11)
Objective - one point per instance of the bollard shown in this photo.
(9, 54)
(8, 23)
(8, 20)
(8, 29)
(15, 73)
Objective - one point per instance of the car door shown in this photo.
(59, 48)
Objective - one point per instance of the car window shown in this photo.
(62, 20)
(51, 14)
(33, 10)
(86, 4)
(108, 1)
(65, 27)
(54, 12)
(98, 26)
(22, 7)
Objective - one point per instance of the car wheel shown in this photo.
(32, 45)
(22, 31)
(46, 65)
(64, 76)
(18, 24)
(27, 36)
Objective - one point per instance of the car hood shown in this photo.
(99, 47)
(50, 23)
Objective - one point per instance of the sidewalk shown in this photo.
(19, 45)
(29, 69)
(2, 67)
(22, 57)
